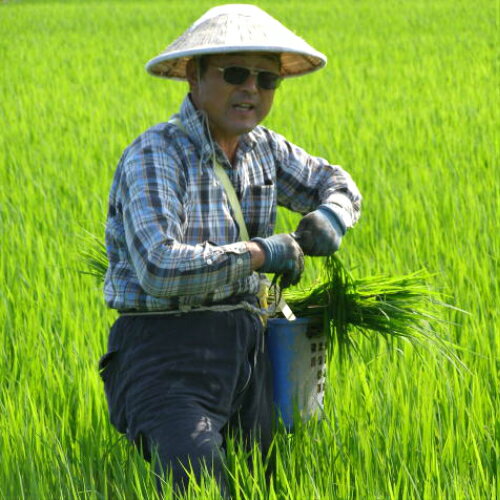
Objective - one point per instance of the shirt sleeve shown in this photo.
(305, 182)
(153, 192)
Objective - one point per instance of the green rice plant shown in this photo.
(93, 255)
(406, 104)
(391, 306)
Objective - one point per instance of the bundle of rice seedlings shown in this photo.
(388, 306)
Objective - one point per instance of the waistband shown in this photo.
(248, 302)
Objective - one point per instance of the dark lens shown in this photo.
(235, 75)
(268, 81)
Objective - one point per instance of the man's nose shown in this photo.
(250, 84)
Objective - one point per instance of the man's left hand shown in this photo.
(319, 233)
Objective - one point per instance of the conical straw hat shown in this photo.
(237, 28)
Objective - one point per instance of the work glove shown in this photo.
(319, 233)
(283, 257)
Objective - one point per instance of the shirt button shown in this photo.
(239, 261)
(209, 261)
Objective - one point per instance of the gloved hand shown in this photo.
(319, 232)
(283, 256)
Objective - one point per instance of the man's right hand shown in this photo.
(283, 256)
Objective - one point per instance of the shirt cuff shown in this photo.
(334, 216)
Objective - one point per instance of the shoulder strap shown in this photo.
(228, 187)
(233, 198)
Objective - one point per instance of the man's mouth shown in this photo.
(244, 106)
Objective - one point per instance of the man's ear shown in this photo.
(192, 73)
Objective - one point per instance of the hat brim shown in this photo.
(293, 63)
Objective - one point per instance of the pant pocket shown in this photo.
(245, 377)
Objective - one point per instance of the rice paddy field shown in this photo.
(408, 104)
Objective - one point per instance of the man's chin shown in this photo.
(244, 128)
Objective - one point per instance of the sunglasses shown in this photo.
(236, 75)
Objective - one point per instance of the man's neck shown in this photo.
(229, 147)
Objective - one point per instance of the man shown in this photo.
(186, 361)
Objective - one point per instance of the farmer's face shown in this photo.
(232, 110)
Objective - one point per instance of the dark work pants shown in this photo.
(177, 384)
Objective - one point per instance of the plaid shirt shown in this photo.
(170, 235)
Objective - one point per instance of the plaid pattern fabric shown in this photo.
(170, 235)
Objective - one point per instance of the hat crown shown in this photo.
(226, 26)
(234, 9)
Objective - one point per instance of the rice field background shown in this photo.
(407, 104)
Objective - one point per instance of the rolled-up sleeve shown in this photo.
(305, 182)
